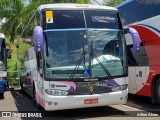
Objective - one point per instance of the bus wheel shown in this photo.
(157, 91)
(2, 95)
(37, 105)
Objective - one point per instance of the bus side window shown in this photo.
(40, 63)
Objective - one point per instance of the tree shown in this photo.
(114, 3)
(15, 13)
(12, 11)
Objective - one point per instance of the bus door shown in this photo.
(140, 77)
(141, 68)
(137, 68)
(132, 65)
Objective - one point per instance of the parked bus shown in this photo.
(4, 53)
(144, 67)
(75, 58)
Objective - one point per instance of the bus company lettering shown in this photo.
(90, 80)
(53, 85)
(87, 85)
(102, 84)
(61, 85)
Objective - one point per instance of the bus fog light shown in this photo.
(49, 103)
(55, 103)
(121, 98)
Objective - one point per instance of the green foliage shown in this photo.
(12, 63)
(114, 3)
(21, 53)
(12, 11)
(15, 13)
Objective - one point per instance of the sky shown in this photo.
(26, 1)
(92, 1)
(99, 1)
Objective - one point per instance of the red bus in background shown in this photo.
(144, 66)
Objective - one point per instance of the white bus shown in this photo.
(144, 67)
(4, 54)
(75, 58)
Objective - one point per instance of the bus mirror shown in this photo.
(135, 37)
(8, 53)
(38, 39)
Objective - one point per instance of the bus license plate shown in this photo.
(91, 101)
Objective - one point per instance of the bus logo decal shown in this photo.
(60, 85)
(91, 89)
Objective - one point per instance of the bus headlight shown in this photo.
(120, 88)
(56, 92)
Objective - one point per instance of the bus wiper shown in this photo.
(104, 68)
(78, 64)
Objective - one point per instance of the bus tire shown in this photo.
(37, 105)
(2, 95)
(157, 91)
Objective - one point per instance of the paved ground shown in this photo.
(8, 103)
(16, 101)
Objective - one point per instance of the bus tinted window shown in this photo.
(65, 19)
(101, 19)
(74, 19)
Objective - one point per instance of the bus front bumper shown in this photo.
(83, 101)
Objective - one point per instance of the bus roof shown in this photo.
(2, 35)
(70, 6)
(124, 3)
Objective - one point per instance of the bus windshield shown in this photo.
(93, 47)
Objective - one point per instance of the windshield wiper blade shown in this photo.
(104, 68)
(77, 65)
